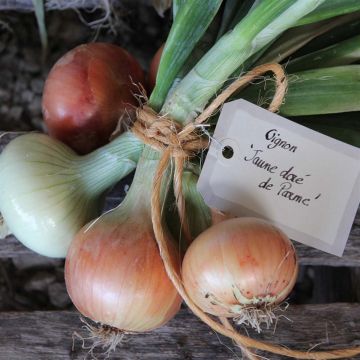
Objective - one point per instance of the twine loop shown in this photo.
(179, 143)
(163, 133)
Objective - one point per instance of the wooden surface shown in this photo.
(48, 335)
(351, 257)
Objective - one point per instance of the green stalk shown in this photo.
(204, 44)
(313, 92)
(262, 25)
(343, 53)
(105, 166)
(257, 29)
(291, 41)
(227, 15)
(191, 22)
(246, 7)
(234, 12)
(176, 5)
(296, 38)
(331, 37)
(329, 9)
(197, 212)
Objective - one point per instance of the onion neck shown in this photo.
(109, 164)
(138, 198)
(198, 213)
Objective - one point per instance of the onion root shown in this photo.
(100, 336)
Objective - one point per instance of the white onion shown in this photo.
(48, 192)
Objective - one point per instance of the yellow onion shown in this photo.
(114, 273)
(240, 268)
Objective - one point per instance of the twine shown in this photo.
(180, 143)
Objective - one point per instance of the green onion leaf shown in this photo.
(344, 53)
(329, 9)
(191, 22)
(261, 26)
(234, 12)
(312, 92)
(176, 4)
(198, 213)
(296, 38)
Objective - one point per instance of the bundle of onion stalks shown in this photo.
(115, 273)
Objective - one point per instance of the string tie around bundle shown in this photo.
(180, 143)
(177, 143)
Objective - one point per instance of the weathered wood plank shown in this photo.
(48, 335)
(10, 247)
(351, 257)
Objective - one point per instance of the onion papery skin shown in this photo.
(114, 273)
(48, 192)
(239, 263)
(86, 93)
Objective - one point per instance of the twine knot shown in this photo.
(179, 142)
(161, 133)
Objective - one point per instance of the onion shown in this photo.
(86, 93)
(48, 192)
(114, 273)
(240, 268)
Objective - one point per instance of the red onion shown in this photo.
(86, 93)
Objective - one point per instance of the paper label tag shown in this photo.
(261, 164)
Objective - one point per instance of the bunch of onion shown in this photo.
(112, 239)
(48, 192)
(183, 100)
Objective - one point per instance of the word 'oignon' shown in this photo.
(275, 141)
